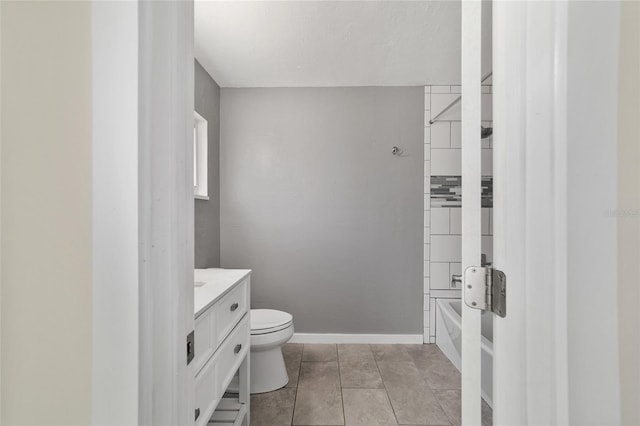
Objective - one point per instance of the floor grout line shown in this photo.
(344, 417)
(295, 396)
(386, 391)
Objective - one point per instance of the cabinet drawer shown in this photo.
(232, 353)
(230, 309)
(205, 339)
(207, 391)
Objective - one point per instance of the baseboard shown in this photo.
(357, 338)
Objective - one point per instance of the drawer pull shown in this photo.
(237, 349)
(234, 307)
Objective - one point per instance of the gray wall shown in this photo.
(207, 216)
(315, 203)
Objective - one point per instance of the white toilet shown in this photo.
(270, 329)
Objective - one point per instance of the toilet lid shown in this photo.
(263, 319)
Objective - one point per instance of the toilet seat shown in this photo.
(266, 321)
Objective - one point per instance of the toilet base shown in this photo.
(268, 371)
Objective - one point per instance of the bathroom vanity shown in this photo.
(221, 346)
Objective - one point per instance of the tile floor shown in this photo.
(364, 385)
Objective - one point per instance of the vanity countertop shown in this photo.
(218, 282)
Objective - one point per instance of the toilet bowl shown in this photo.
(270, 329)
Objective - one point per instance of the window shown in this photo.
(200, 145)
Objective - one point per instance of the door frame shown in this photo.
(471, 205)
(143, 212)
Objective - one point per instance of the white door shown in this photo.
(471, 203)
(554, 143)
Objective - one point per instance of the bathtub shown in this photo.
(449, 340)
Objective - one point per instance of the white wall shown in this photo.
(46, 213)
(115, 213)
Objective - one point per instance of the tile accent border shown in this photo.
(446, 191)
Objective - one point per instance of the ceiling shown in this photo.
(328, 43)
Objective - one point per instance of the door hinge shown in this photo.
(485, 288)
(190, 347)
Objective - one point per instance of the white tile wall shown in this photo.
(455, 221)
(441, 134)
(455, 268)
(439, 220)
(456, 134)
(443, 226)
(440, 278)
(446, 162)
(446, 248)
(440, 101)
(427, 217)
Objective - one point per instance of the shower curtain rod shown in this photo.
(433, 120)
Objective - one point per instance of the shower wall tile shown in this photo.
(446, 248)
(427, 216)
(439, 102)
(442, 201)
(440, 275)
(439, 221)
(456, 134)
(455, 268)
(441, 134)
(446, 162)
(446, 191)
(455, 221)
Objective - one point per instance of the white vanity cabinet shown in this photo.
(221, 345)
